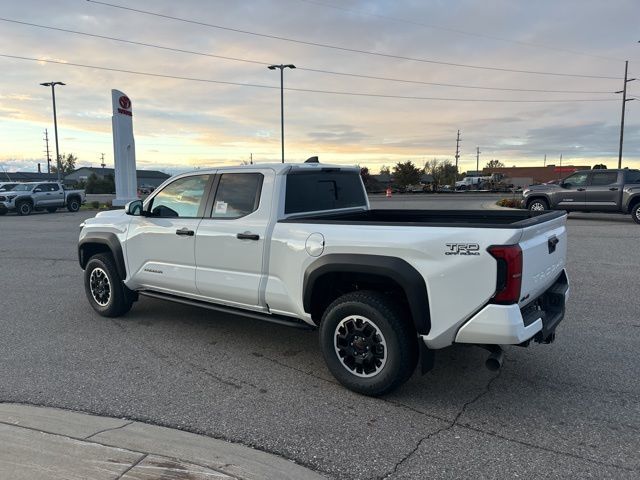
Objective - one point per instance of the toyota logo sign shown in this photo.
(125, 102)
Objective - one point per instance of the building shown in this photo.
(522, 176)
(146, 178)
(27, 177)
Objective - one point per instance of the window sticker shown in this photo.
(221, 207)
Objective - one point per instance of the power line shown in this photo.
(307, 90)
(460, 32)
(315, 70)
(346, 49)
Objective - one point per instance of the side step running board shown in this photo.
(277, 319)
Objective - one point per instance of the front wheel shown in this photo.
(368, 342)
(73, 205)
(24, 208)
(538, 205)
(635, 213)
(104, 288)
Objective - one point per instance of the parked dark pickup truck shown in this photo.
(589, 191)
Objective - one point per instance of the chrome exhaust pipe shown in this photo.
(495, 359)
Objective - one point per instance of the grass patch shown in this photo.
(510, 203)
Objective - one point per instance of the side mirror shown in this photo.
(565, 185)
(134, 208)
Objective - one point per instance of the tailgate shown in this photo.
(544, 255)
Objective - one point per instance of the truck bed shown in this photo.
(433, 218)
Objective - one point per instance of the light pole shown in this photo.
(55, 121)
(281, 67)
(624, 102)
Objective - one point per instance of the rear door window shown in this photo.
(603, 178)
(237, 195)
(632, 176)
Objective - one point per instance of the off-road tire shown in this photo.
(393, 322)
(24, 208)
(119, 299)
(635, 213)
(73, 205)
(538, 205)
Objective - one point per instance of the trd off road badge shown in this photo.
(462, 249)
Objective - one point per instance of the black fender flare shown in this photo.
(394, 268)
(537, 196)
(103, 238)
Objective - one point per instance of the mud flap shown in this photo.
(427, 357)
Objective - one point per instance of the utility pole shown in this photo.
(545, 160)
(457, 152)
(251, 159)
(102, 164)
(478, 161)
(560, 169)
(46, 141)
(624, 102)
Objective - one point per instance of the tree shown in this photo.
(494, 164)
(600, 166)
(67, 164)
(406, 173)
(384, 170)
(442, 171)
(100, 185)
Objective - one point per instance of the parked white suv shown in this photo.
(298, 245)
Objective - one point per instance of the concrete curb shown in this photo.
(50, 443)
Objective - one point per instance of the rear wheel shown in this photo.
(635, 213)
(73, 204)
(104, 288)
(24, 208)
(538, 205)
(368, 342)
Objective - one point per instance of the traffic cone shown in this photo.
(388, 192)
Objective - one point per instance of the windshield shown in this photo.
(8, 187)
(25, 187)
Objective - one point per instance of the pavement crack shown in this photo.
(451, 424)
(108, 430)
(137, 462)
(304, 372)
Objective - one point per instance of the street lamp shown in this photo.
(55, 121)
(281, 67)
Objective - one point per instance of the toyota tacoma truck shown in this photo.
(24, 198)
(299, 245)
(589, 191)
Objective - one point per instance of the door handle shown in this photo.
(581, 189)
(48, 194)
(613, 189)
(248, 236)
(185, 232)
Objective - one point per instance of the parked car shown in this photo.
(589, 191)
(24, 198)
(298, 245)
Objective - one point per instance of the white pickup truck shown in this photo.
(297, 244)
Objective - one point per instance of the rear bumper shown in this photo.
(511, 325)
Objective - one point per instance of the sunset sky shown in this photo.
(181, 124)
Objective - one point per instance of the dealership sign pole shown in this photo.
(124, 149)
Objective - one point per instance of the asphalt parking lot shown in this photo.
(566, 410)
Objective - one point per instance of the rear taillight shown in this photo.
(509, 281)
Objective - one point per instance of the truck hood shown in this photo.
(551, 187)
